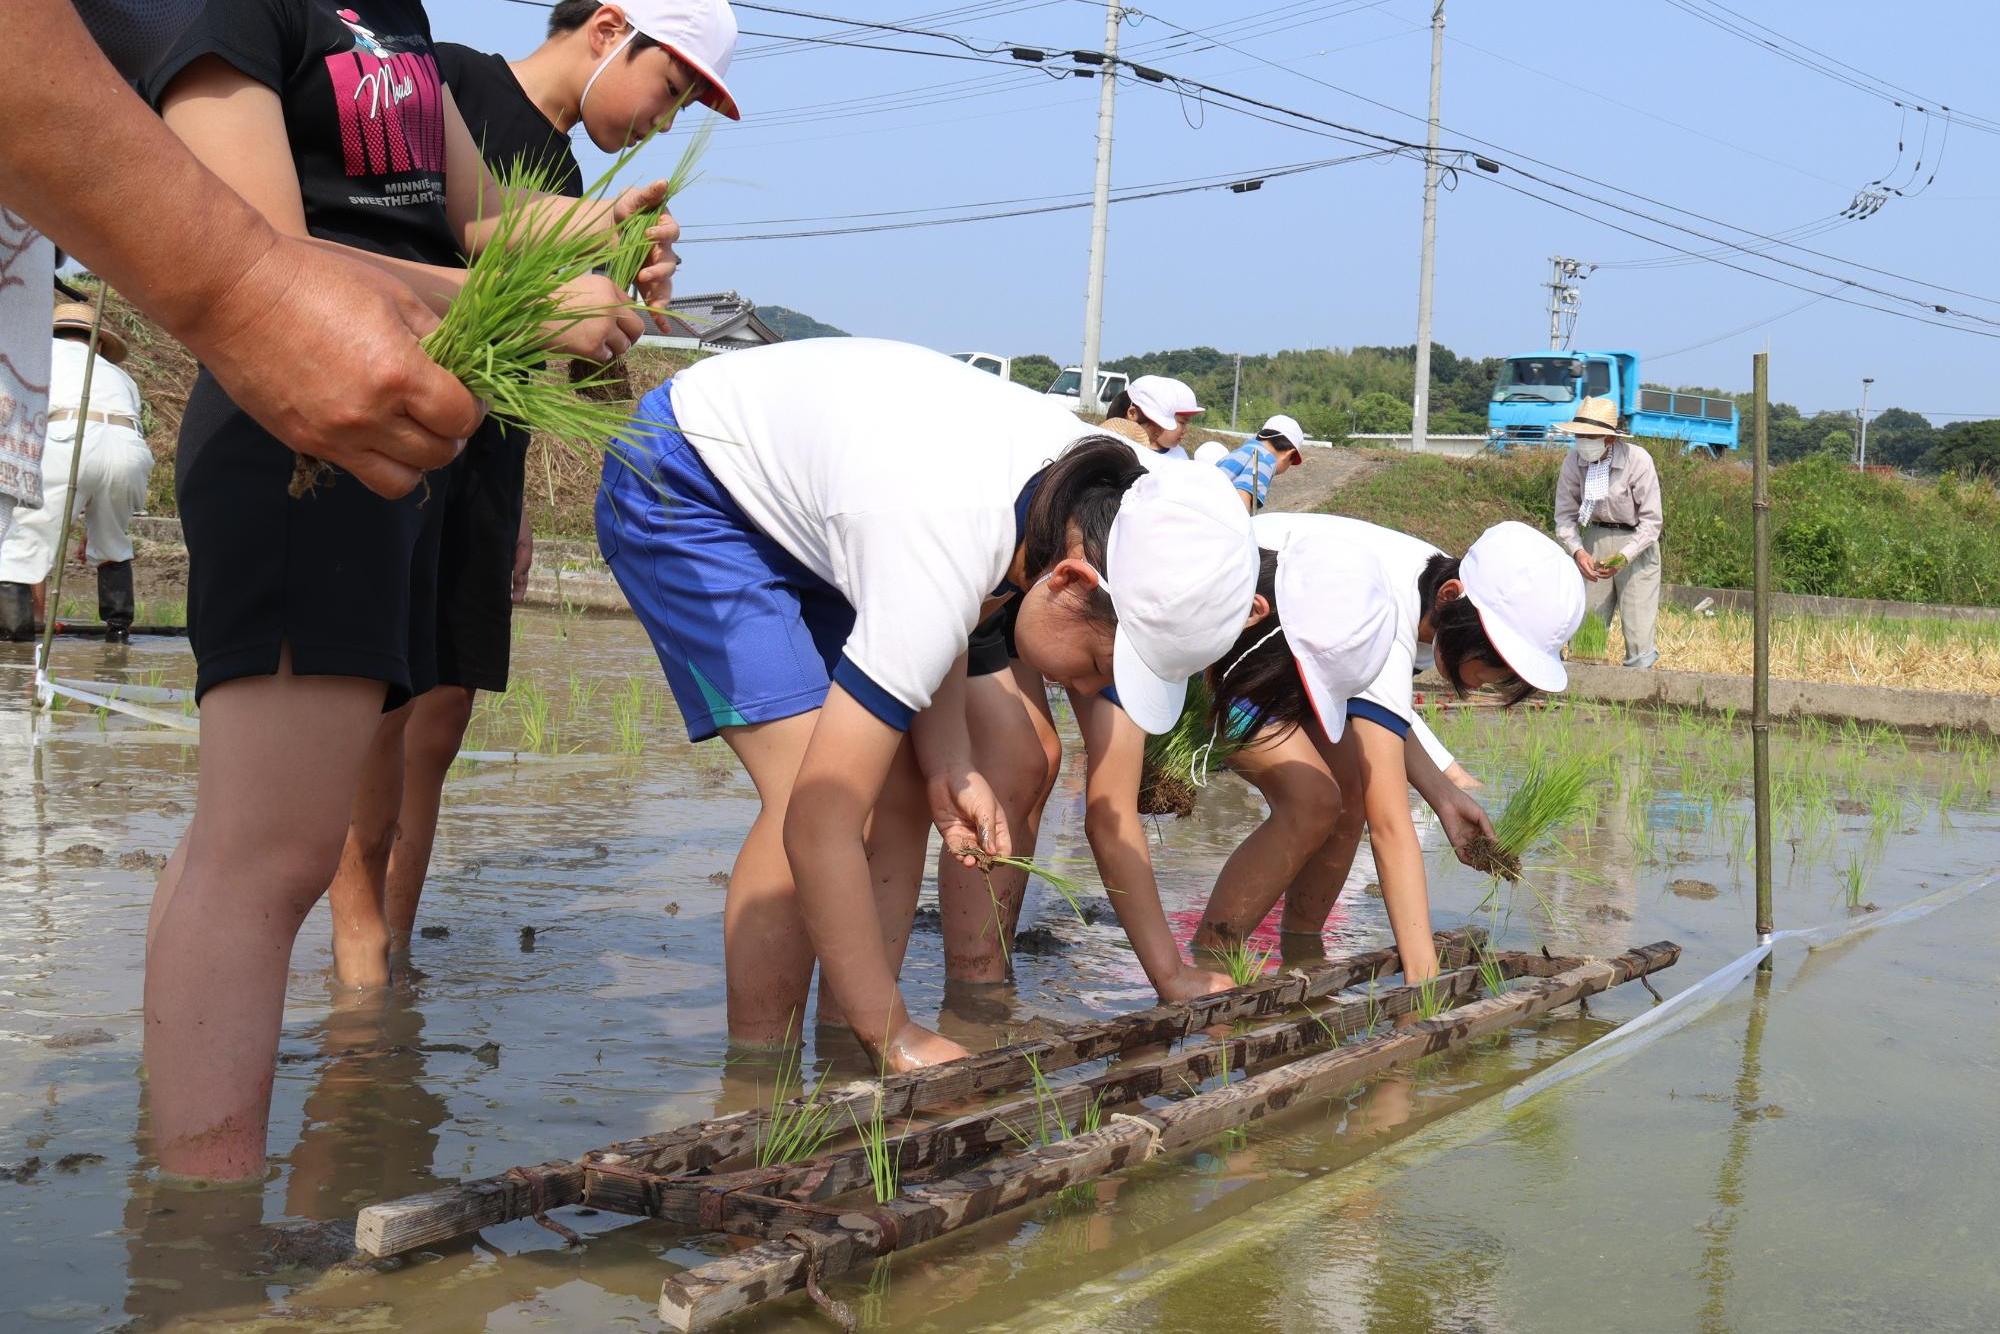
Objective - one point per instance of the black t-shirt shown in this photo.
(364, 112)
(504, 120)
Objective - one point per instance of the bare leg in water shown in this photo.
(264, 842)
(360, 927)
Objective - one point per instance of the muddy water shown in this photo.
(1816, 1154)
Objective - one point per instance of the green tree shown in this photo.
(1837, 442)
(1378, 413)
(1969, 448)
(1035, 371)
(1899, 438)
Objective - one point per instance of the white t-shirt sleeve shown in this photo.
(916, 579)
(1391, 690)
(1433, 747)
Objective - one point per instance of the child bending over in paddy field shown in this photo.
(619, 73)
(1331, 761)
(311, 616)
(810, 555)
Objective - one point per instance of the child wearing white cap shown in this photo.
(621, 70)
(1153, 412)
(1339, 749)
(809, 564)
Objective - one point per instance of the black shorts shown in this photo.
(991, 647)
(345, 577)
(482, 522)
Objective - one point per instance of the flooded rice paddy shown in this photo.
(1817, 1153)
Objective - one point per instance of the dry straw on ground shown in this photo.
(1912, 655)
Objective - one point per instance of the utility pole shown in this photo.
(1100, 209)
(1564, 298)
(1861, 464)
(1420, 406)
(1236, 394)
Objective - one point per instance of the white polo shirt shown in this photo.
(1389, 699)
(891, 472)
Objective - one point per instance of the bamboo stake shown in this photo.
(1760, 698)
(758, 1201)
(397, 1226)
(53, 605)
(699, 1298)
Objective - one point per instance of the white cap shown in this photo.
(700, 33)
(1181, 569)
(1210, 451)
(1530, 599)
(1164, 401)
(1286, 429)
(1333, 600)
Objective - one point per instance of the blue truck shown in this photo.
(1538, 390)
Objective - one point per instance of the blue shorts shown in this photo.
(745, 632)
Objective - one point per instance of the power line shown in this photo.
(1653, 359)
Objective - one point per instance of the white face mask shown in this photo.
(1592, 448)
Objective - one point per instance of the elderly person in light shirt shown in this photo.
(1608, 517)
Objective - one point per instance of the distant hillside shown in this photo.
(789, 323)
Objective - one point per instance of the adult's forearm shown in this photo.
(436, 285)
(88, 164)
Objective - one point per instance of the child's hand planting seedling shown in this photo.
(1552, 794)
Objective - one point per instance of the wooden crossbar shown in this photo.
(397, 1226)
(818, 1247)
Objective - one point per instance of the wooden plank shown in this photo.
(698, 1298)
(743, 1202)
(454, 1211)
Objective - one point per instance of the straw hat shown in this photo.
(1595, 416)
(75, 315)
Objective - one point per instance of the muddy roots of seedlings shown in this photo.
(1487, 855)
(1164, 793)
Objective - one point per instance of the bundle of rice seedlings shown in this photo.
(1177, 762)
(1554, 793)
(1591, 641)
(884, 1155)
(497, 333)
(633, 243)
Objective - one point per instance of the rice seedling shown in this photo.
(1071, 890)
(633, 244)
(531, 706)
(1854, 883)
(883, 1154)
(1431, 1000)
(798, 1131)
(626, 708)
(1244, 963)
(1491, 977)
(1552, 794)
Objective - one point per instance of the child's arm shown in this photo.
(473, 198)
(1115, 751)
(1399, 858)
(962, 804)
(236, 127)
(839, 780)
(1463, 818)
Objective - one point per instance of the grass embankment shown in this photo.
(1833, 531)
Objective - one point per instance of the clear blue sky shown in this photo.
(1638, 94)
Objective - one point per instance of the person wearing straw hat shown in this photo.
(1337, 748)
(1608, 517)
(1153, 412)
(111, 476)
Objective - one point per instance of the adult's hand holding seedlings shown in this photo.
(323, 351)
